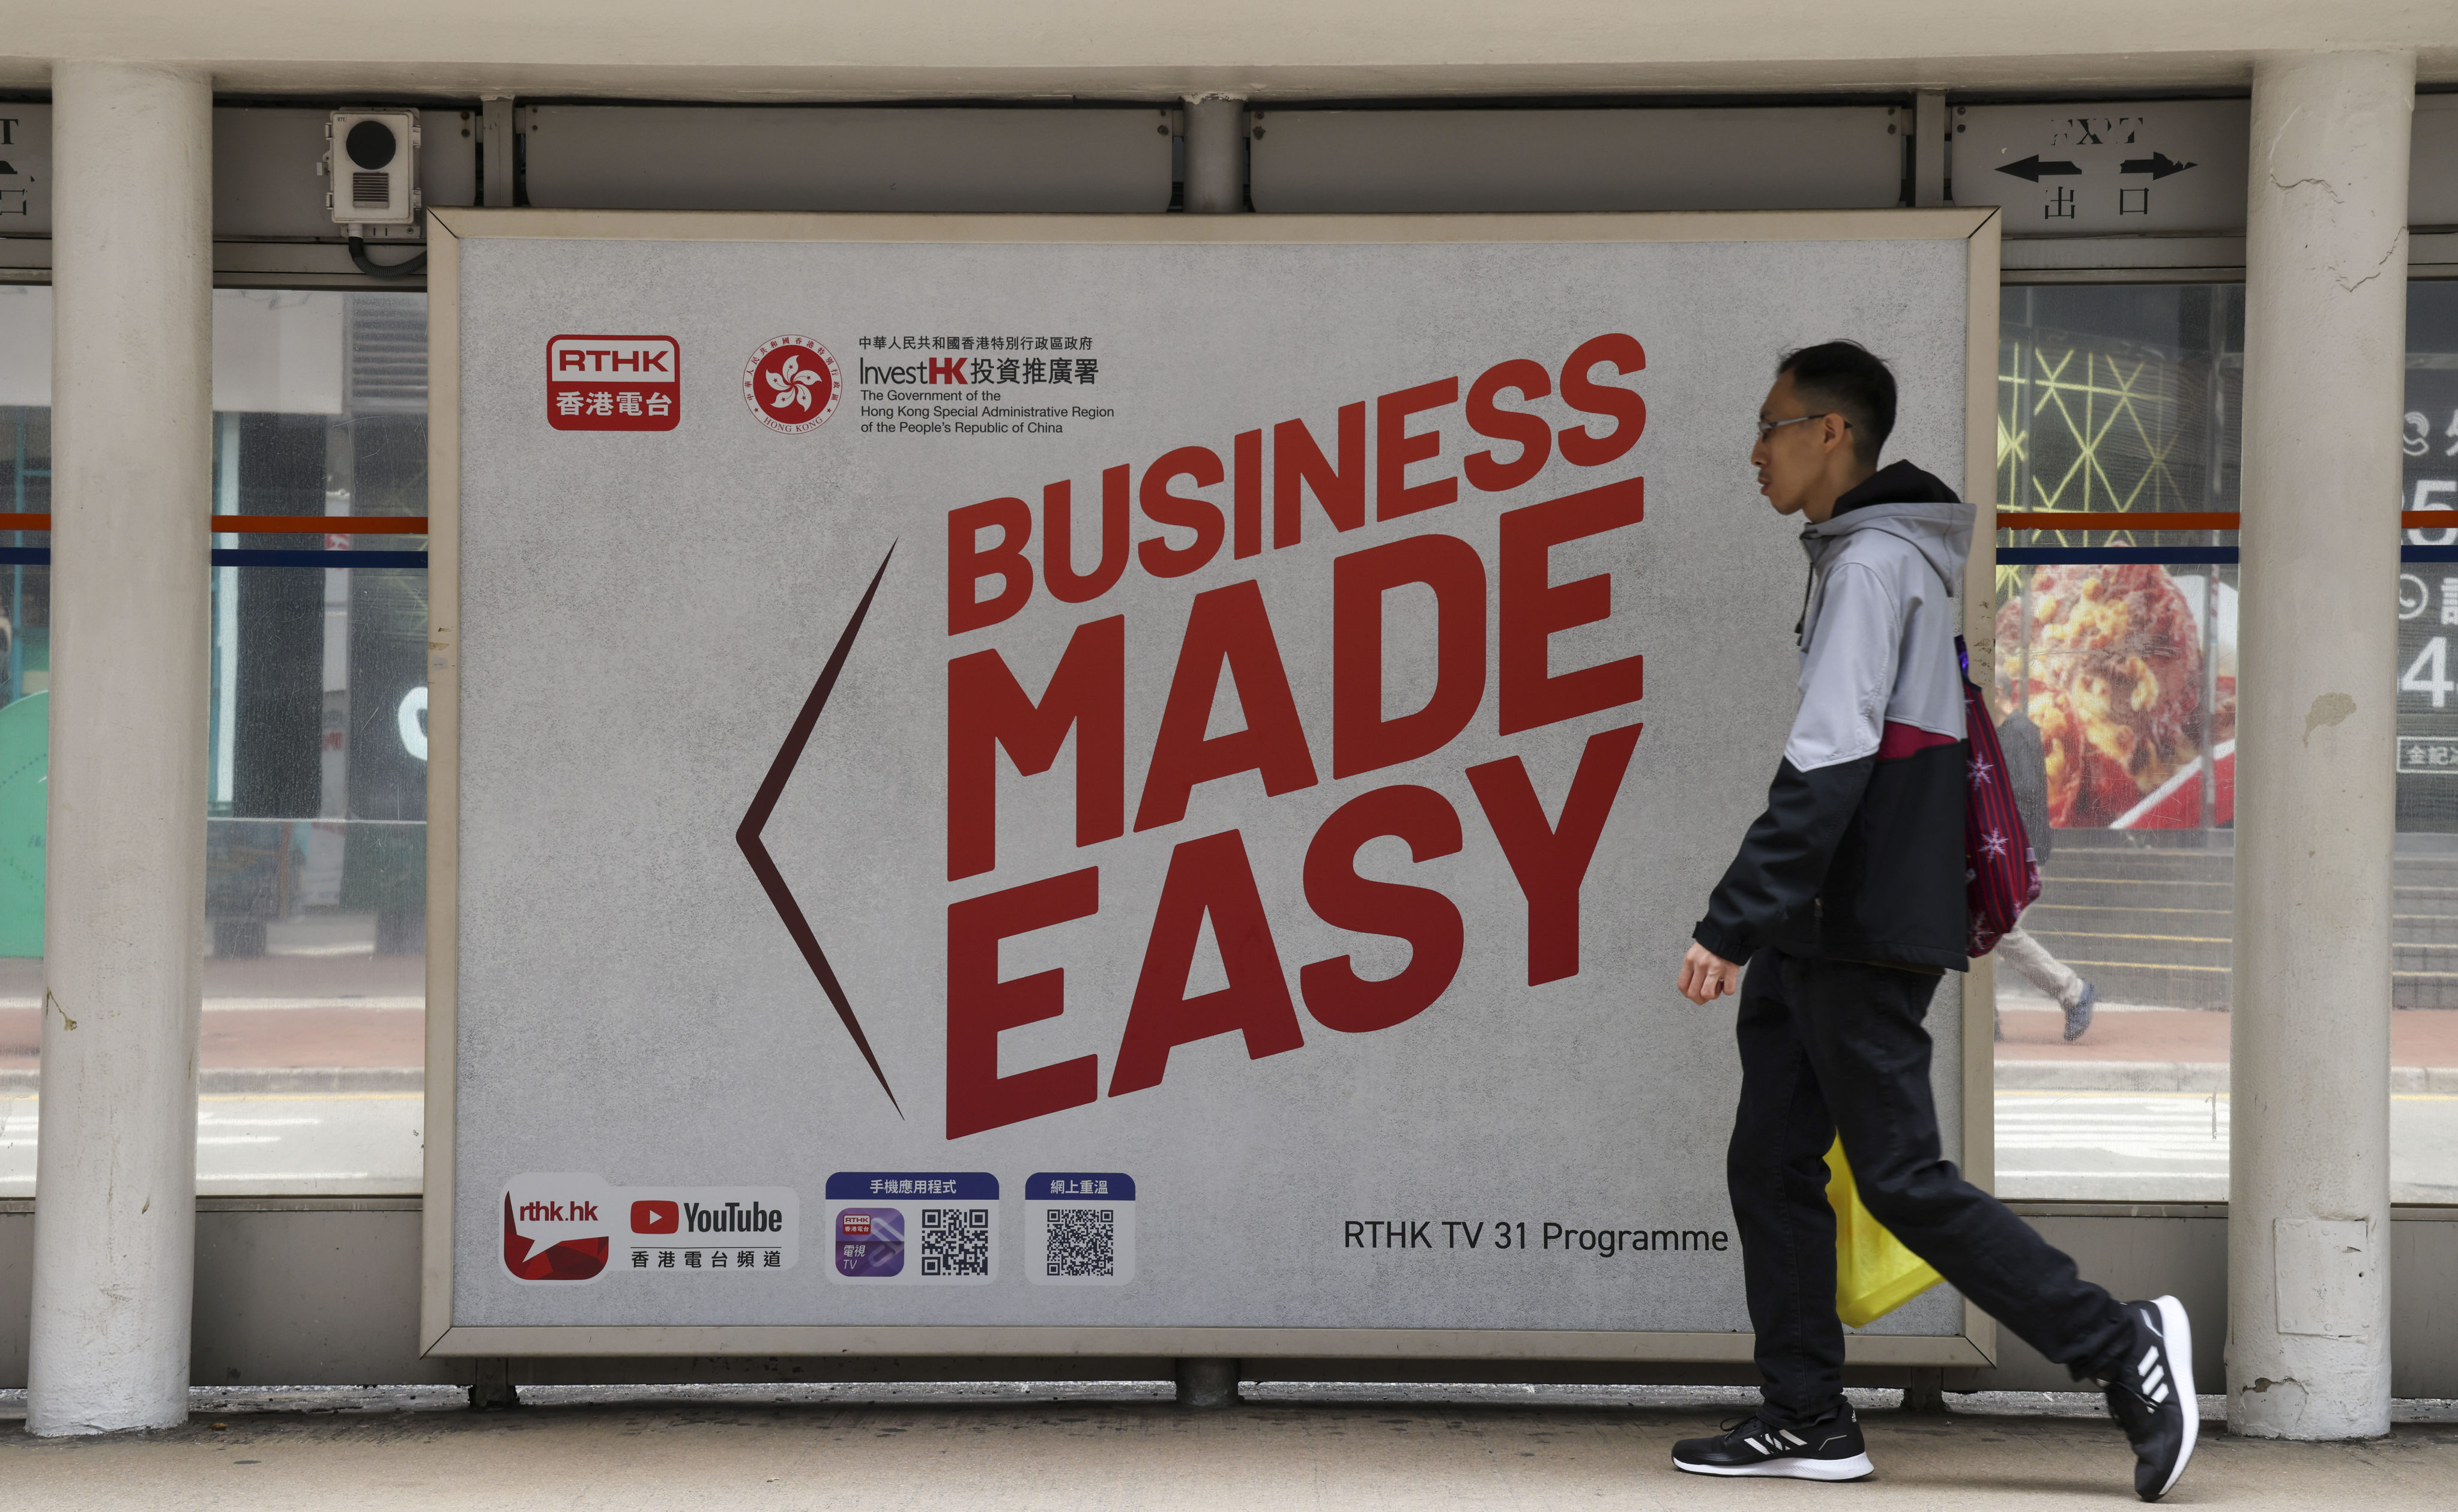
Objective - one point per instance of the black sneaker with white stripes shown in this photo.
(1829, 1449)
(2152, 1394)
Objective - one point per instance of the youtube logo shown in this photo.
(566, 1226)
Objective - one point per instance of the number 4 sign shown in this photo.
(2429, 671)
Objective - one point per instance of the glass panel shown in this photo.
(2121, 400)
(2424, 930)
(315, 989)
(25, 678)
(316, 790)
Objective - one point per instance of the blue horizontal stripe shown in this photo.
(2169, 555)
(41, 556)
(250, 557)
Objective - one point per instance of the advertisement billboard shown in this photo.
(1121, 785)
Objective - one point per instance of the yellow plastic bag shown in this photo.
(1874, 1274)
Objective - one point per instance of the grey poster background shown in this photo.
(643, 614)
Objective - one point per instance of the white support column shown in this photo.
(2325, 328)
(1215, 154)
(114, 1218)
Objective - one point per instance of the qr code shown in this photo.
(955, 1241)
(1083, 1241)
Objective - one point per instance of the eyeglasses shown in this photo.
(1768, 427)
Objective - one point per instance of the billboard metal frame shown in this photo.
(1976, 1345)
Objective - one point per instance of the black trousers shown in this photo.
(1839, 1046)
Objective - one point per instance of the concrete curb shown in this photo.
(2200, 1077)
(248, 1081)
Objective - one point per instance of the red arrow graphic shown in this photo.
(756, 819)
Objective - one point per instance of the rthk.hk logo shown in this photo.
(557, 1227)
(792, 384)
(558, 1213)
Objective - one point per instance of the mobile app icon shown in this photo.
(870, 1242)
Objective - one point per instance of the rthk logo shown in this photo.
(551, 1239)
(792, 384)
(655, 1216)
(613, 383)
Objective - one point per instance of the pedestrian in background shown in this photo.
(2026, 769)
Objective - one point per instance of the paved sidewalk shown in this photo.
(2036, 1031)
(274, 1011)
(737, 1452)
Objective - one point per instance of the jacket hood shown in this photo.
(1896, 483)
(1904, 502)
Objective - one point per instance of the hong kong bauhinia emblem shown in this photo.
(792, 384)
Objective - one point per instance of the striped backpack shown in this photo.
(2000, 875)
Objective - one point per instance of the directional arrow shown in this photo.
(2034, 170)
(2158, 165)
(763, 866)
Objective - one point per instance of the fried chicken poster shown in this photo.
(2111, 670)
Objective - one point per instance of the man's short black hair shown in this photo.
(1853, 381)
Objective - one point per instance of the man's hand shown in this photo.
(1707, 976)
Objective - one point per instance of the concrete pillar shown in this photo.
(115, 1182)
(1215, 154)
(2325, 314)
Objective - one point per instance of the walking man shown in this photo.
(1846, 903)
(2026, 771)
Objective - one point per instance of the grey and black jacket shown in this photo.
(1858, 855)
